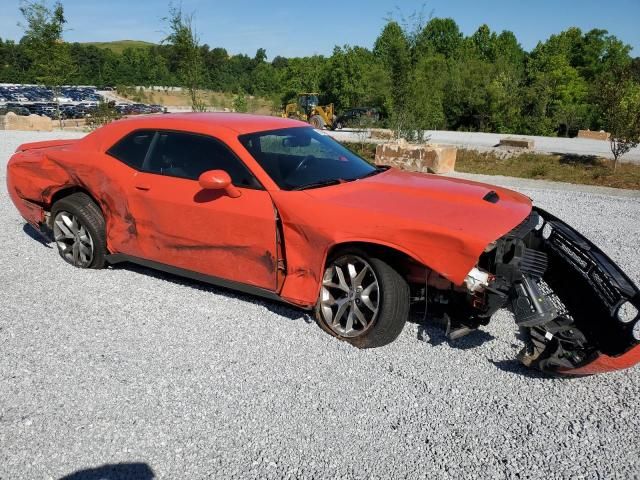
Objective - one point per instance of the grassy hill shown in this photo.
(118, 46)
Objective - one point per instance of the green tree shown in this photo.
(620, 104)
(467, 102)
(50, 55)
(356, 78)
(428, 85)
(422, 75)
(304, 74)
(186, 47)
(393, 50)
(439, 35)
(264, 79)
(240, 102)
(14, 63)
(557, 93)
(485, 42)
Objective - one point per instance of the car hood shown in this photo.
(418, 212)
(455, 204)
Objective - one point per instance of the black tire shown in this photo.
(316, 121)
(339, 126)
(88, 215)
(393, 304)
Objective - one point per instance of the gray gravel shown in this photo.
(126, 365)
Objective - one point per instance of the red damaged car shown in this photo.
(273, 207)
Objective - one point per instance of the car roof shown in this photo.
(241, 123)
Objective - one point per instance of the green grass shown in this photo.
(119, 46)
(584, 170)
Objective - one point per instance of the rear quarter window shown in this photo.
(132, 149)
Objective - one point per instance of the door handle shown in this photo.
(143, 186)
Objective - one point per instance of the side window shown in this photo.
(188, 155)
(133, 148)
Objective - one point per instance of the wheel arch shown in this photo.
(394, 255)
(70, 190)
(65, 192)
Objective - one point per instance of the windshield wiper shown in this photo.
(324, 183)
(373, 172)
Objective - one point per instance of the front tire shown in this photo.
(317, 122)
(79, 231)
(363, 300)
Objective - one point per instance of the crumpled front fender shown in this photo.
(311, 230)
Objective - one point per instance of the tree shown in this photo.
(280, 62)
(440, 35)
(356, 78)
(264, 79)
(261, 56)
(428, 85)
(240, 102)
(49, 54)
(393, 50)
(635, 69)
(420, 74)
(14, 64)
(484, 41)
(620, 104)
(186, 48)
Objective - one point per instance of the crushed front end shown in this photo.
(577, 310)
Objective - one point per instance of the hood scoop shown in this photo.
(491, 197)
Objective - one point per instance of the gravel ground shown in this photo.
(169, 378)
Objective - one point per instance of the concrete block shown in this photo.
(417, 158)
(601, 135)
(381, 134)
(11, 121)
(512, 142)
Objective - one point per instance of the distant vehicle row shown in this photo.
(79, 110)
(35, 93)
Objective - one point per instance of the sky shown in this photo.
(297, 28)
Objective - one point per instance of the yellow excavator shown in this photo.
(308, 110)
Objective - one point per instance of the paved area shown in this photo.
(488, 141)
(128, 371)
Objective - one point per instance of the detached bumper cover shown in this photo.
(594, 288)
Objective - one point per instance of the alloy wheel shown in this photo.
(350, 296)
(73, 239)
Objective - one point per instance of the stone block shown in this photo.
(11, 121)
(417, 158)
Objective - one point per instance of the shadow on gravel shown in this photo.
(36, 235)
(115, 471)
(515, 367)
(281, 309)
(432, 331)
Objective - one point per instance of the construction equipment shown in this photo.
(308, 110)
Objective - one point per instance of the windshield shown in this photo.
(309, 100)
(301, 157)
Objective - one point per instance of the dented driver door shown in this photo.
(206, 231)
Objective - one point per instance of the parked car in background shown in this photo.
(15, 109)
(357, 117)
(72, 101)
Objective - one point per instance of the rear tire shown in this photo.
(79, 231)
(363, 300)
